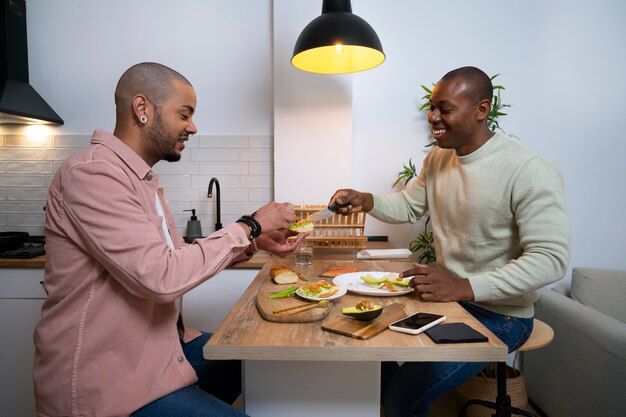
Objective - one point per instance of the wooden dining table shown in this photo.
(300, 369)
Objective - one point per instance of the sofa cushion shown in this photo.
(603, 290)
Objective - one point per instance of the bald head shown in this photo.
(478, 84)
(153, 80)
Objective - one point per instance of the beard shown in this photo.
(163, 141)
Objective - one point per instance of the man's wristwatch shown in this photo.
(253, 224)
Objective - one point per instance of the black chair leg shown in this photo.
(502, 406)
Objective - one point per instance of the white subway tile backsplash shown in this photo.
(226, 181)
(185, 157)
(27, 194)
(218, 154)
(8, 154)
(256, 181)
(22, 141)
(217, 168)
(262, 168)
(25, 167)
(252, 206)
(231, 218)
(261, 194)
(22, 181)
(58, 154)
(234, 194)
(9, 207)
(175, 181)
(177, 207)
(257, 154)
(181, 194)
(223, 141)
(231, 207)
(242, 164)
(29, 220)
(204, 207)
(192, 142)
(261, 142)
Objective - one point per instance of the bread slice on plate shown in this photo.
(282, 275)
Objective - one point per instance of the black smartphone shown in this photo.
(416, 323)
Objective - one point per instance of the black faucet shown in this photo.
(218, 224)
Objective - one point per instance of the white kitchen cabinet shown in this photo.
(21, 297)
(206, 306)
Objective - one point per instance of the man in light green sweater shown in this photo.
(500, 227)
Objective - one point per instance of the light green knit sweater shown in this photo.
(498, 216)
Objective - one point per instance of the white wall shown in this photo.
(79, 49)
(562, 63)
(312, 117)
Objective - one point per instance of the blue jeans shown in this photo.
(219, 384)
(410, 389)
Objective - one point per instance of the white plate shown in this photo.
(342, 291)
(353, 283)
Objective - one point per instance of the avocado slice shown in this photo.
(400, 282)
(303, 226)
(368, 279)
(364, 315)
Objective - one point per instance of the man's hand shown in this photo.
(436, 284)
(357, 201)
(276, 242)
(275, 216)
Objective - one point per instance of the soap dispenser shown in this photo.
(194, 228)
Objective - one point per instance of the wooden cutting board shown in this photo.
(267, 306)
(356, 329)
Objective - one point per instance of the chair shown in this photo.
(582, 372)
(541, 336)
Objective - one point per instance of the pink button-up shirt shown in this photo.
(107, 342)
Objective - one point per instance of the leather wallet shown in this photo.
(455, 333)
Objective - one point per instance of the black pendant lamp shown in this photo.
(337, 42)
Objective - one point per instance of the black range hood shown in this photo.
(19, 102)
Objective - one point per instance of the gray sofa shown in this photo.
(582, 373)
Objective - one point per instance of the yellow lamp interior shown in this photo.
(338, 59)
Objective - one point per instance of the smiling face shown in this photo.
(171, 125)
(457, 119)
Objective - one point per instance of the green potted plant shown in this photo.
(424, 242)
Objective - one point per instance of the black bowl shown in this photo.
(12, 240)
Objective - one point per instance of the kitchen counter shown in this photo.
(256, 262)
(37, 262)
